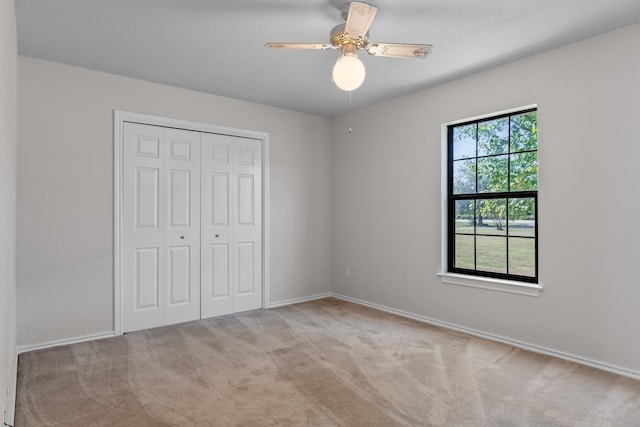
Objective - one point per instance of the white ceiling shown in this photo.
(217, 46)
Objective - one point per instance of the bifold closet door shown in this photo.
(231, 224)
(161, 226)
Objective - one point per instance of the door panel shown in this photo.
(161, 215)
(182, 231)
(247, 224)
(220, 148)
(147, 195)
(246, 155)
(148, 145)
(147, 285)
(219, 199)
(245, 268)
(179, 277)
(179, 198)
(216, 170)
(219, 285)
(143, 216)
(246, 197)
(180, 149)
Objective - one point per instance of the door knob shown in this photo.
(182, 237)
(217, 235)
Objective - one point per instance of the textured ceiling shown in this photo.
(217, 46)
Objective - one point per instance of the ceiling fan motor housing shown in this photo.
(339, 38)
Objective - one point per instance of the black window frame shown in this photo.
(505, 195)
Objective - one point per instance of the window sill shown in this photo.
(512, 287)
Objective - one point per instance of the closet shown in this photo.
(192, 225)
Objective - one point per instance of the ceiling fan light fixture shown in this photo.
(349, 72)
(353, 35)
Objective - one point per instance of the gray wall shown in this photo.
(65, 192)
(386, 201)
(8, 99)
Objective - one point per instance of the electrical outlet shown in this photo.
(347, 273)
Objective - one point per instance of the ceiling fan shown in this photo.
(353, 35)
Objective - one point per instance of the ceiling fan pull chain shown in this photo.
(350, 113)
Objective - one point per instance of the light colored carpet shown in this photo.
(322, 363)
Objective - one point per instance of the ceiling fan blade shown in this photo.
(302, 46)
(359, 19)
(399, 50)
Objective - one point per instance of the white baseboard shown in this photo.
(57, 343)
(519, 344)
(298, 300)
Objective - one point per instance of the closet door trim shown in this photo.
(119, 118)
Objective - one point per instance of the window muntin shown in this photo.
(493, 197)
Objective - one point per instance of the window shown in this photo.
(492, 200)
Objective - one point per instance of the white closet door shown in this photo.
(161, 260)
(143, 169)
(182, 231)
(231, 225)
(216, 238)
(247, 224)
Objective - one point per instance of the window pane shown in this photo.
(524, 132)
(464, 142)
(493, 174)
(522, 256)
(491, 254)
(522, 217)
(464, 252)
(465, 216)
(492, 216)
(493, 164)
(493, 137)
(464, 176)
(524, 171)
